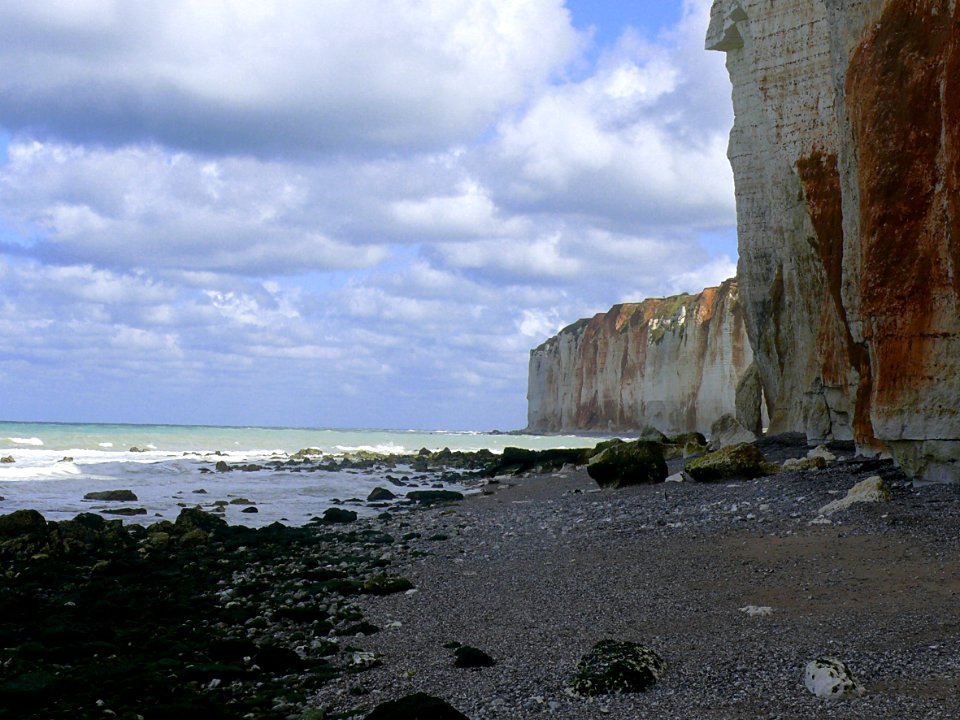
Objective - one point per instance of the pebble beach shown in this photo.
(735, 584)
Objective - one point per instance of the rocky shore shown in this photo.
(489, 603)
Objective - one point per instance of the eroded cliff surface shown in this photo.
(671, 362)
(845, 156)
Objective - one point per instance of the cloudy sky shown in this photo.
(341, 213)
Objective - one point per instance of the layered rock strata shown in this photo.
(673, 363)
(845, 154)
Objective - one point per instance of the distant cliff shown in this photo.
(671, 362)
(846, 157)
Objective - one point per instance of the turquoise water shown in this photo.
(56, 437)
(173, 466)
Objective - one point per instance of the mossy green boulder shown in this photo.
(737, 461)
(631, 463)
(617, 667)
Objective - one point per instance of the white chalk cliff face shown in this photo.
(846, 156)
(673, 363)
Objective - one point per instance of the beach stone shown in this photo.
(22, 522)
(652, 434)
(427, 497)
(250, 510)
(873, 489)
(630, 463)
(195, 518)
(471, 657)
(822, 454)
(338, 516)
(679, 477)
(380, 494)
(241, 501)
(737, 461)
(383, 585)
(830, 678)
(804, 464)
(112, 496)
(727, 431)
(127, 512)
(222, 466)
(307, 453)
(613, 666)
(418, 706)
(7, 459)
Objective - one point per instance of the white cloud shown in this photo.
(360, 212)
(285, 78)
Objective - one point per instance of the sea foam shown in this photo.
(35, 441)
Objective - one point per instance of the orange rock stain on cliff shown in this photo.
(902, 95)
(836, 348)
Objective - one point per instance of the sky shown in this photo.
(347, 213)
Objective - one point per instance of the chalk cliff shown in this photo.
(671, 362)
(846, 156)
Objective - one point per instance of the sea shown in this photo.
(168, 467)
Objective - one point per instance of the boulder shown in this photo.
(469, 657)
(822, 456)
(338, 516)
(729, 431)
(429, 497)
(873, 489)
(612, 667)
(739, 461)
(831, 679)
(803, 464)
(652, 434)
(195, 518)
(112, 496)
(418, 706)
(7, 459)
(630, 463)
(22, 522)
(380, 494)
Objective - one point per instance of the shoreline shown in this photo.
(535, 569)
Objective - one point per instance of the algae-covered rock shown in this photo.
(428, 497)
(379, 494)
(738, 461)
(112, 496)
(418, 706)
(652, 434)
(196, 519)
(7, 459)
(613, 666)
(466, 656)
(630, 463)
(384, 585)
(338, 516)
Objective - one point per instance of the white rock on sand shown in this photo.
(831, 679)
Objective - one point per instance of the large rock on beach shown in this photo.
(872, 490)
(830, 678)
(380, 494)
(739, 461)
(338, 516)
(669, 362)
(418, 706)
(846, 159)
(22, 522)
(112, 496)
(727, 431)
(196, 519)
(430, 497)
(615, 667)
(630, 463)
